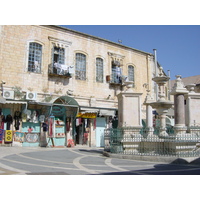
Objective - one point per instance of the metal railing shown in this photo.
(133, 141)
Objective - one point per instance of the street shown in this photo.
(81, 161)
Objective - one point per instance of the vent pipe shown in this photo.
(155, 59)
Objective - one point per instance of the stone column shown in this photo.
(179, 91)
(179, 109)
(149, 115)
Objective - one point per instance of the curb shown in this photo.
(162, 159)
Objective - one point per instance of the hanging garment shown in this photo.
(17, 118)
(68, 125)
(45, 127)
(50, 127)
(42, 118)
(2, 121)
(28, 113)
(34, 117)
(24, 117)
(9, 121)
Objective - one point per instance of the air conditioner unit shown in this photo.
(8, 94)
(31, 95)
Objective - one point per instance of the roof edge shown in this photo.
(95, 37)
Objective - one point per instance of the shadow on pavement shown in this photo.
(99, 151)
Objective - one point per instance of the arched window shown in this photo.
(80, 71)
(131, 73)
(35, 57)
(99, 70)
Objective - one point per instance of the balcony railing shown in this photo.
(60, 70)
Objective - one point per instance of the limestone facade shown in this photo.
(15, 41)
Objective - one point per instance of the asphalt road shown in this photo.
(81, 161)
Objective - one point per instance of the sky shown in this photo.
(178, 46)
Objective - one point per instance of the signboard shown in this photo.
(58, 110)
(31, 137)
(8, 136)
(19, 137)
(87, 115)
(1, 135)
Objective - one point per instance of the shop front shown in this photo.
(38, 123)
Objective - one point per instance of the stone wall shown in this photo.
(14, 41)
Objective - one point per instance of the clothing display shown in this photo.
(17, 117)
(45, 127)
(9, 121)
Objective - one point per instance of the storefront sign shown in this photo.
(31, 137)
(19, 137)
(58, 110)
(60, 135)
(8, 136)
(87, 115)
(1, 135)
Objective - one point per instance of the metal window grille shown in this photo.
(80, 72)
(59, 55)
(99, 70)
(131, 73)
(35, 57)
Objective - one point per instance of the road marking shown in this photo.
(76, 162)
(11, 169)
(108, 162)
(43, 159)
(38, 165)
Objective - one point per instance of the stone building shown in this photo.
(67, 80)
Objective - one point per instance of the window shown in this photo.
(80, 71)
(99, 70)
(116, 72)
(131, 73)
(58, 60)
(58, 55)
(35, 57)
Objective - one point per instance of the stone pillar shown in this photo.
(129, 109)
(179, 110)
(179, 91)
(149, 115)
(192, 110)
(129, 118)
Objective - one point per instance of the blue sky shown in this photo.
(178, 46)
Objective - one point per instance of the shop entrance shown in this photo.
(100, 126)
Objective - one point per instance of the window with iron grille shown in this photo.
(80, 71)
(35, 57)
(99, 70)
(131, 73)
(58, 55)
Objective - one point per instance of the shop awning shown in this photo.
(16, 102)
(103, 112)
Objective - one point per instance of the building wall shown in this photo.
(14, 57)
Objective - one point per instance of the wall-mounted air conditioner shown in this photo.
(8, 94)
(31, 96)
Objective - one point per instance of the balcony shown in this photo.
(59, 70)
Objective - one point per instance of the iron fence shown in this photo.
(133, 141)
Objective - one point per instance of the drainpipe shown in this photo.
(169, 85)
(156, 72)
